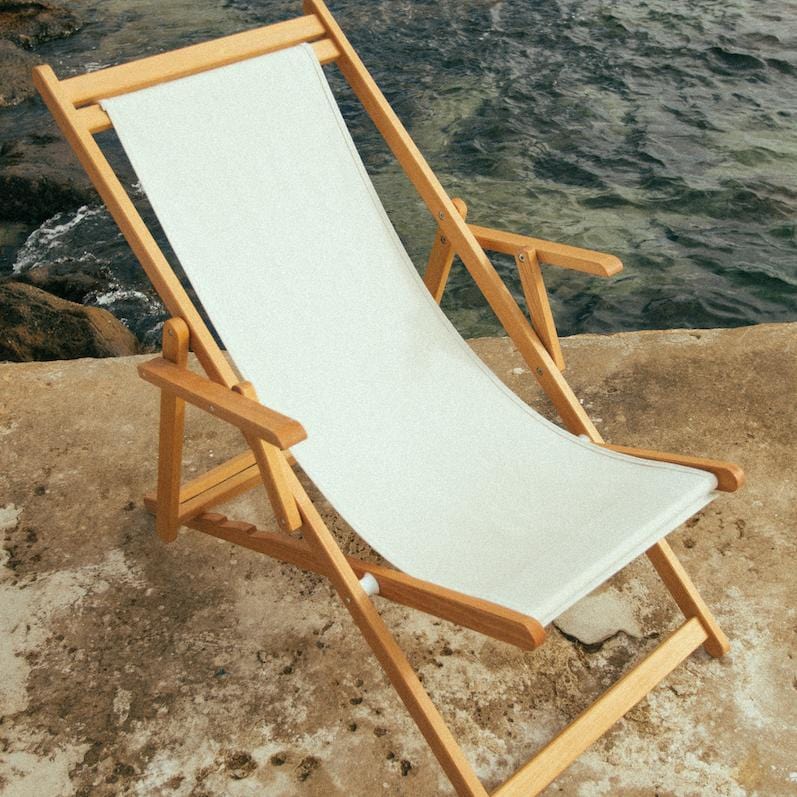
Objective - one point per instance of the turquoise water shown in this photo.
(663, 132)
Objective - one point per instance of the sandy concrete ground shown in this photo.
(130, 667)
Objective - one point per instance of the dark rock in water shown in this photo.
(15, 80)
(30, 23)
(67, 279)
(35, 325)
(39, 177)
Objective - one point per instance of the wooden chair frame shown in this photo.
(268, 434)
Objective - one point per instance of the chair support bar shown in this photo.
(480, 615)
(558, 754)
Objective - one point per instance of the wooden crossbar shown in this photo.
(104, 83)
(220, 484)
(474, 613)
(94, 120)
(558, 754)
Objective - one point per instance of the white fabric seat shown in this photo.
(258, 186)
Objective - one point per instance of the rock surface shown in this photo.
(599, 617)
(67, 279)
(35, 325)
(29, 23)
(131, 667)
(39, 177)
(15, 81)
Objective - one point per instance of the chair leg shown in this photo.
(172, 427)
(390, 655)
(685, 594)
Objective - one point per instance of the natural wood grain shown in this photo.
(685, 594)
(730, 477)
(538, 305)
(104, 83)
(441, 257)
(249, 416)
(556, 756)
(480, 615)
(273, 470)
(225, 490)
(170, 441)
(598, 263)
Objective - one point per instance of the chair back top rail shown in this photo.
(94, 86)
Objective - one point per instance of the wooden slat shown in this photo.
(562, 255)
(170, 441)
(482, 616)
(222, 489)
(249, 416)
(93, 119)
(135, 231)
(537, 302)
(532, 778)
(456, 230)
(441, 257)
(730, 477)
(273, 470)
(139, 74)
(685, 594)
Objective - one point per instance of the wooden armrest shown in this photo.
(249, 416)
(730, 477)
(561, 255)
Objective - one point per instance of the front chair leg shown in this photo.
(685, 594)
(172, 427)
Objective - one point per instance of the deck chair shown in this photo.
(489, 515)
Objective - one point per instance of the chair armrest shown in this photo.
(562, 255)
(730, 477)
(249, 416)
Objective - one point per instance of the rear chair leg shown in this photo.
(685, 594)
(172, 426)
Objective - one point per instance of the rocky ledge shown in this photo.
(121, 656)
(35, 325)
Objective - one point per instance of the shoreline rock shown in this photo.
(27, 22)
(39, 177)
(35, 325)
(15, 80)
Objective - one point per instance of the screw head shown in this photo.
(521, 257)
(441, 215)
(443, 239)
(539, 371)
(211, 408)
(171, 332)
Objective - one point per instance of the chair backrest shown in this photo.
(260, 190)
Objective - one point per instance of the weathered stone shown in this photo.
(67, 279)
(15, 81)
(109, 639)
(35, 325)
(39, 177)
(599, 617)
(30, 23)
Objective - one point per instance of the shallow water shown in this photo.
(663, 132)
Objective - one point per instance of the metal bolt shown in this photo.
(443, 239)
(441, 215)
(521, 257)
(539, 371)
